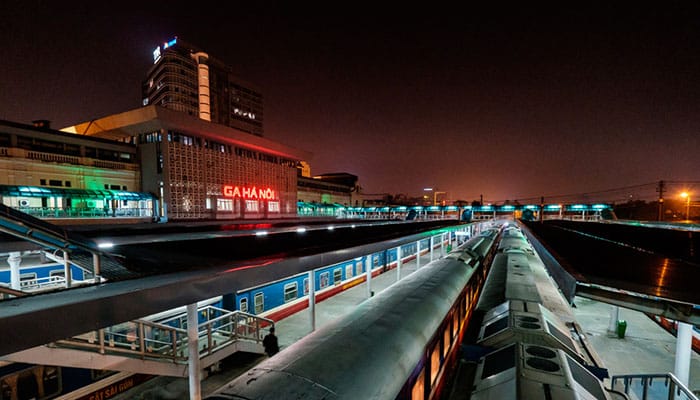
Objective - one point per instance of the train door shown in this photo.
(324, 280)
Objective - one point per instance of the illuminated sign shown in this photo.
(156, 55)
(156, 52)
(249, 192)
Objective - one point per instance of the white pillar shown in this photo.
(368, 271)
(312, 300)
(66, 270)
(614, 317)
(418, 254)
(97, 267)
(14, 260)
(193, 352)
(442, 244)
(399, 257)
(684, 340)
(431, 247)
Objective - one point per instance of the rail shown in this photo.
(641, 386)
(167, 340)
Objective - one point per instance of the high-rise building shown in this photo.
(187, 79)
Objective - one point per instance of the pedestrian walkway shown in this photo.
(646, 348)
(288, 331)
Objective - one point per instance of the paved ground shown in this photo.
(646, 348)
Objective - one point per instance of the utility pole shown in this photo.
(542, 209)
(661, 188)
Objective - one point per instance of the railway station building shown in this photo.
(56, 175)
(197, 169)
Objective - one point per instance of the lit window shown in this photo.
(418, 391)
(251, 205)
(446, 341)
(434, 363)
(224, 204)
(273, 206)
(348, 271)
(243, 304)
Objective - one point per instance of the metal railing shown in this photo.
(58, 212)
(167, 339)
(654, 386)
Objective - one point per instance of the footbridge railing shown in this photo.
(653, 386)
(167, 339)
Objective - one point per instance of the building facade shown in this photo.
(203, 170)
(53, 174)
(185, 78)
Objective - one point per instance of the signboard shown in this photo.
(249, 193)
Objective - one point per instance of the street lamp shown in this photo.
(686, 196)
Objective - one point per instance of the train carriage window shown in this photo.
(418, 390)
(290, 291)
(243, 304)
(455, 323)
(337, 276)
(324, 280)
(434, 363)
(348, 271)
(259, 303)
(358, 267)
(306, 286)
(446, 340)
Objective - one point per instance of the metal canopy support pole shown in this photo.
(193, 352)
(418, 254)
(683, 349)
(431, 247)
(97, 267)
(312, 299)
(399, 257)
(368, 270)
(66, 270)
(614, 317)
(14, 260)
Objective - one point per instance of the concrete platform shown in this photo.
(645, 349)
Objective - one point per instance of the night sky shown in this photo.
(507, 102)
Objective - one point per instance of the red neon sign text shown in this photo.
(249, 192)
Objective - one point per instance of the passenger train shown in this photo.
(485, 322)
(273, 300)
(526, 342)
(402, 343)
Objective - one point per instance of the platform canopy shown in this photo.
(38, 191)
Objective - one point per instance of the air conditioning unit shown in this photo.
(517, 321)
(535, 372)
(24, 203)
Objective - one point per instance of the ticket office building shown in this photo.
(202, 170)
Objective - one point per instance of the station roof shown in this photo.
(154, 118)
